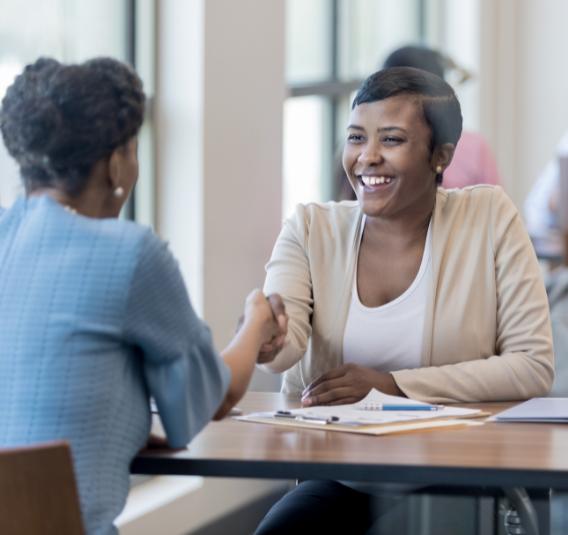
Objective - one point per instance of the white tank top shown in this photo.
(389, 338)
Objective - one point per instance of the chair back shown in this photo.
(38, 493)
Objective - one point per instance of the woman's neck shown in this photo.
(95, 199)
(407, 225)
(78, 204)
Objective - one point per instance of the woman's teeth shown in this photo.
(371, 180)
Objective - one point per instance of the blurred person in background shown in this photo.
(541, 204)
(94, 313)
(473, 162)
(541, 218)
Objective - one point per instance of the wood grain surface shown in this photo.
(525, 454)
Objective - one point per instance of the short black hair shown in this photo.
(440, 105)
(418, 57)
(58, 120)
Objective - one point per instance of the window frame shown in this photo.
(132, 34)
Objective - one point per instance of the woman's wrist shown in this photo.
(386, 383)
(255, 321)
(253, 327)
(395, 388)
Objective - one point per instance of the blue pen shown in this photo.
(388, 407)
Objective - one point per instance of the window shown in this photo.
(332, 46)
(143, 49)
(73, 31)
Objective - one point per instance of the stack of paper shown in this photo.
(355, 418)
(549, 410)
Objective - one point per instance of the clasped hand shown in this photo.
(277, 343)
(349, 383)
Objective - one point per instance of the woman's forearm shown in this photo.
(285, 359)
(240, 357)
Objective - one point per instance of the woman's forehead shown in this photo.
(404, 111)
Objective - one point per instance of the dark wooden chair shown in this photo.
(38, 493)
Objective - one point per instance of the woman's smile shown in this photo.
(372, 183)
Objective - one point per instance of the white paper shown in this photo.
(374, 396)
(548, 410)
(351, 415)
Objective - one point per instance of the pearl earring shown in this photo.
(119, 192)
(439, 169)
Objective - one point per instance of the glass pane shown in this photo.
(308, 40)
(342, 188)
(307, 152)
(370, 30)
(10, 184)
(144, 57)
(144, 193)
(342, 115)
(145, 43)
(68, 30)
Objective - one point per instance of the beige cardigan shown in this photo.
(487, 334)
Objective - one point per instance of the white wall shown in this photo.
(242, 159)
(219, 128)
(517, 100)
(524, 85)
(460, 40)
(542, 83)
(219, 102)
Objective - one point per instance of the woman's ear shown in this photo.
(115, 168)
(443, 156)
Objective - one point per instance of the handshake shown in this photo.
(270, 313)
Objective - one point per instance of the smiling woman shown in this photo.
(413, 290)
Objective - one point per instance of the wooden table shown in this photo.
(495, 454)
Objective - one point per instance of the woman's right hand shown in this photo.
(258, 326)
(271, 313)
(259, 312)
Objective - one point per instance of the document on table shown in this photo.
(548, 410)
(354, 415)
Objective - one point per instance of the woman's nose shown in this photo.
(370, 154)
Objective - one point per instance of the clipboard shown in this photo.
(376, 430)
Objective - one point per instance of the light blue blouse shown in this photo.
(95, 318)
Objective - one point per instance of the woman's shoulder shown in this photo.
(477, 210)
(110, 240)
(119, 229)
(478, 197)
(137, 243)
(329, 215)
(477, 191)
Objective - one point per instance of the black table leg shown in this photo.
(542, 500)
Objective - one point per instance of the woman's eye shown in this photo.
(390, 139)
(355, 137)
